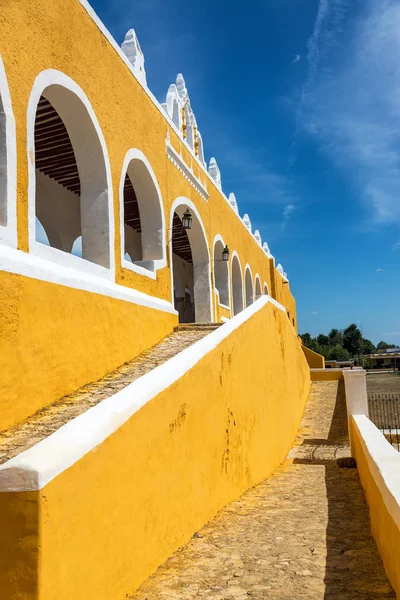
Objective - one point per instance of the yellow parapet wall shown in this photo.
(54, 339)
(379, 467)
(326, 374)
(315, 360)
(109, 497)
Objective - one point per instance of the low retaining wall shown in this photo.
(315, 360)
(92, 510)
(378, 466)
(379, 469)
(326, 374)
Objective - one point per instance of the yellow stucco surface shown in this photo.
(55, 339)
(384, 529)
(108, 521)
(66, 38)
(315, 360)
(326, 374)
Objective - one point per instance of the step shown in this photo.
(197, 326)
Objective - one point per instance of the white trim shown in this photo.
(219, 238)
(235, 254)
(35, 267)
(185, 170)
(44, 80)
(135, 154)
(170, 122)
(8, 233)
(383, 463)
(34, 468)
(183, 201)
(256, 276)
(248, 268)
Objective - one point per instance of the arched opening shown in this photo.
(248, 283)
(190, 261)
(257, 286)
(71, 180)
(237, 285)
(266, 292)
(142, 216)
(221, 273)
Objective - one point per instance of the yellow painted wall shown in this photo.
(59, 339)
(66, 38)
(108, 521)
(315, 360)
(326, 374)
(384, 529)
(55, 339)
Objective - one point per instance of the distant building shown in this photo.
(384, 359)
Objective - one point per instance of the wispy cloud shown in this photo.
(396, 246)
(350, 102)
(379, 270)
(287, 214)
(296, 59)
(314, 312)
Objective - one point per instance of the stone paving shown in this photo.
(17, 439)
(301, 534)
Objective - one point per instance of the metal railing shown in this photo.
(384, 412)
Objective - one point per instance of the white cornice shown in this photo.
(178, 161)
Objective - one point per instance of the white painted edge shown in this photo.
(225, 319)
(34, 468)
(178, 161)
(248, 268)
(35, 267)
(135, 154)
(383, 463)
(218, 238)
(44, 80)
(235, 254)
(8, 233)
(171, 124)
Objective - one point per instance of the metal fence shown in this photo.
(384, 411)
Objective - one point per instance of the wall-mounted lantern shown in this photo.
(187, 219)
(225, 254)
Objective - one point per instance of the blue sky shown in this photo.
(299, 101)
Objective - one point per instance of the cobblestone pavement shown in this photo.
(47, 421)
(301, 534)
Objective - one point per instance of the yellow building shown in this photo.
(113, 229)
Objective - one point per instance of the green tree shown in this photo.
(368, 347)
(335, 337)
(353, 340)
(323, 340)
(384, 346)
(306, 339)
(338, 353)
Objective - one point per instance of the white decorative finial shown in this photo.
(132, 50)
(233, 203)
(257, 236)
(215, 172)
(181, 86)
(247, 222)
(266, 248)
(280, 270)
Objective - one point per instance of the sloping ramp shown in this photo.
(302, 534)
